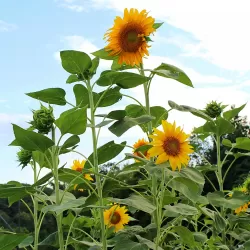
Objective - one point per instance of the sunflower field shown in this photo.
(169, 190)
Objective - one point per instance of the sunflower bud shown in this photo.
(43, 119)
(24, 157)
(213, 109)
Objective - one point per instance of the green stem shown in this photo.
(154, 179)
(57, 192)
(225, 175)
(95, 163)
(35, 204)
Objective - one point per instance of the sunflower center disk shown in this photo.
(130, 41)
(115, 218)
(172, 146)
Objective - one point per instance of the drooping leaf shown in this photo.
(192, 110)
(170, 71)
(30, 140)
(138, 202)
(179, 209)
(106, 152)
(116, 114)
(186, 236)
(121, 126)
(73, 121)
(50, 95)
(147, 242)
(159, 113)
(75, 62)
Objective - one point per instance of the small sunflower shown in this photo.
(116, 217)
(127, 39)
(242, 209)
(140, 143)
(78, 166)
(170, 145)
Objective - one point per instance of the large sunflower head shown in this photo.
(127, 39)
(170, 145)
(116, 217)
(138, 144)
(78, 166)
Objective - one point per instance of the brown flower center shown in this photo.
(130, 39)
(172, 146)
(115, 218)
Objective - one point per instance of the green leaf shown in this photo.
(121, 126)
(129, 245)
(124, 80)
(157, 25)
(149, 243)
(109, 97)
(73, 121)
(220, 222)
(192, 174)
(117, 66)
(30, 140)
(82, 96)
(15, 193)
(51, 240)
(159, 113)
(75, 62)
(180, 209)
(39, 158)
(170, 71)
(194, 111)
(186, 236)
(51, 96)
(187, 187)
(242, 143)
(58, 209)
(106, 153)
(138, 202)
(227, 143)
(43, 180)
(72, 79)
(103, 54)
(200, 237)
(95, 64)
(217, 199)
(116, 114)
(71, 141)
(228, 115)
(26, 242)
(219, 127)
(10, 241)
(73, 177)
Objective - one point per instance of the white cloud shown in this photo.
(4, 27)
(75, 5)
(220, 27)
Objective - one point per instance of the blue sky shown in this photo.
(208, 40)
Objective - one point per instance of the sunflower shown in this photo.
(127, 39)
(242, 209)
(140, 143)
(170, 145)
(78, 166)
(116, 217)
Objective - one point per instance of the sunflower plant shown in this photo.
(169, 191)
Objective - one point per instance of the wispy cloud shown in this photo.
(5, 27)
